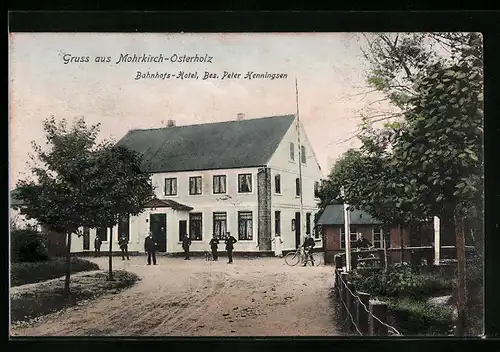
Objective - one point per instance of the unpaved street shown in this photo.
(199, 298)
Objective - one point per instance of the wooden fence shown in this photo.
(364, 316)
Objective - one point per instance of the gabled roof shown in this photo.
(210, 146)
(167, 203)
(334, 215)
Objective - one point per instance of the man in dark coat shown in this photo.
(214, 242)
(230, 241)
(186, 242)
(362, 243)
(308, 246)
(123, 242)
(150, 248)
(97, 246)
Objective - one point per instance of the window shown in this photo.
(244, 183)
(303, 154)
(317, 228)
(353, 236)
(292, 151)
(102, 233)
(86, 238)
(195, 185)
(182, 229)
(245, 226)
(308, 223)
(277, 222)
(377, 237)
(293, 224)
(297, 187)
(316, 189)
(219, 184)
(220, 225)
(195, 226)
(277, 184)
(124, 227)
(170, 187)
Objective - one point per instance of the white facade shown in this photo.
(230, 201)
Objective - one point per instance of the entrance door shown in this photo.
(158, 228)
(124, 227)
(297, 230)
(86, 238)
(182, 229)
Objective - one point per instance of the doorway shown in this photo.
(86, 239)
(297, 230)
(182, 229)
(158, 228)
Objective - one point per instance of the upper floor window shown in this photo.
(277, 184)
(195, 185)
(244, 183)
(316, 189)
(303, 154)
(292, 151)
(170, 187)
(219, 184)
(297, 186)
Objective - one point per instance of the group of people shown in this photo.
(150, 247)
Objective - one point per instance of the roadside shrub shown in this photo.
(413, 317)
(401, 281)
(27, 245)
(26, 273)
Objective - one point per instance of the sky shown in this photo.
(329, 68)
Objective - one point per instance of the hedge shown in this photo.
(27, 273)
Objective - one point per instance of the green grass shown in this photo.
(27, 273)
(46, 298)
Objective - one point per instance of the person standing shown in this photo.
(230, 241)
(214, 243)
(278, 252)
(97, 246)
(150, 248)
(186, 242)
(123, 242)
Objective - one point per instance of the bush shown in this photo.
(415, 317)
(402, 281)
(27, 245)
(26, 273)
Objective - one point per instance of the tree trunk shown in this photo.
(461, 289)
(110, 273)
(401, 238)
(68, 265)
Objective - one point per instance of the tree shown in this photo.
(120, 188)
(59, 195)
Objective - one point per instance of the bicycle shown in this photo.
(298, 256)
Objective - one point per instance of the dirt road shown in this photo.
(252, 297)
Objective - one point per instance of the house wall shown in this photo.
(287, 202)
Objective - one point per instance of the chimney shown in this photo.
(240, 116)
(170, 123)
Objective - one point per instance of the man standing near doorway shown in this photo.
(150, 248)
(214, 243)
(186, 242)
(123, 242)
(230, 241)
(97, 246)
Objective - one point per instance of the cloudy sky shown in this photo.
(329, 68)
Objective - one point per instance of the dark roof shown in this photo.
(167, 203)
(210, 146)
(334, 215)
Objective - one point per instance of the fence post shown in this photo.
(338, 261)
(378, 309)
(351, 305)
(337, 283)
(381, 257)
(343, 295)
(354, 260)
(362, 314)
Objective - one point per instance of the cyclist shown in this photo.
(308, 246)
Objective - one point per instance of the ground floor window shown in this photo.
(353, 236)
(220, 225)
(277, 222)
(308, 223)
(195, 226)
(245, 226)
